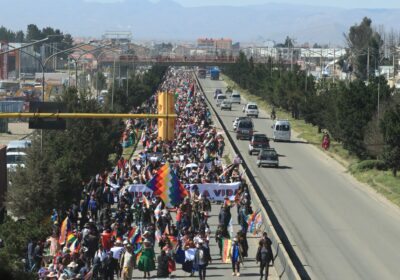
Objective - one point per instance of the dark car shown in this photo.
(268, 157)
(257, 143)
(245, 129)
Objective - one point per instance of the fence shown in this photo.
(10, 107)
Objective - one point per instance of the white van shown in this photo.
(281, 130)
(251, 109)
(15, 159)
(235, 98)
(220, 98)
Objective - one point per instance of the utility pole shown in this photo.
(379, 88)
(334, 64)
(368, 64)
(127, 81)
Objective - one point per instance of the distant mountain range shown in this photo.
(167, 20)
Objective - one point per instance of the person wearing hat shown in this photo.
(117, 251)
(127, 261)
(236, 257)
(52, 275)
(146, 261)
(201, 259)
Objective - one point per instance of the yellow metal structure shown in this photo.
(85, 116)
(166, 126)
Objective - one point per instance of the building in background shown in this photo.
(19, 63)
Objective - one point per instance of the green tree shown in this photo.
(54, 176)
(19, 37)
(365, 45)
(33, 33)
(99, 81)
(390, 126)
(15, 235)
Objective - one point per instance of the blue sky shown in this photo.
(383, 4)
(334, 3)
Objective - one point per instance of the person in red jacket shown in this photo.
(106, 241)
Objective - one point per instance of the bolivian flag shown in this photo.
(226, 250)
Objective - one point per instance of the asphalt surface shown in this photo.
(339, 228)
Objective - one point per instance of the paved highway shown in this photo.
(339, 228)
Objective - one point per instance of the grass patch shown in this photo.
(382, 181)
(126, 152)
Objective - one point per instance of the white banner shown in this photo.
(213, 191)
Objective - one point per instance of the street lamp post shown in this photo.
(113, 85)
(53, 55)
(84, 53)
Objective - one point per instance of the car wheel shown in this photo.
(259, 165)
(237, 138)
(250, 153)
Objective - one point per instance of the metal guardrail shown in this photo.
(287, 263)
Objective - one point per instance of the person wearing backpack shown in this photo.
(264, 257)
(201, 259)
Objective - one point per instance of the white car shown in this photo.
(220, 98)
(226, 105)
(235, 98)
(251, 110)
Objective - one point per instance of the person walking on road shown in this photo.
(201, 259)
(264, 257)
(236, 257)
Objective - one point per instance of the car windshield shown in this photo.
(269, 155)
(283, 127)
(235, 95)
(245, 124)
(15, 159)
(252, 107)
(260, 139)
(221, 97)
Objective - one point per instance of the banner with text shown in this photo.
(215, 192)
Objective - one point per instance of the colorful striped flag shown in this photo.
(137, 237)
(251, 220)
(257, 223)
(71, 237)
(226, 249)
(167, 186)
(138, 252)
(131, 234)
(75, 247)
(65, 226)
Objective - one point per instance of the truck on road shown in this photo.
(214, 73)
